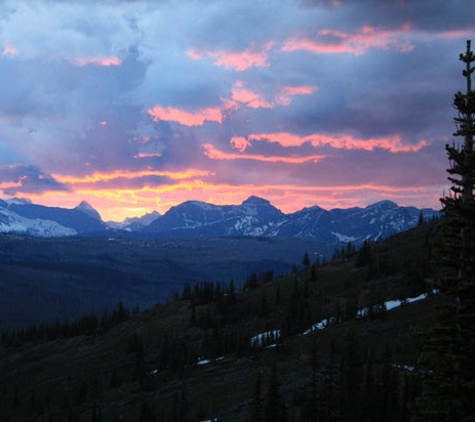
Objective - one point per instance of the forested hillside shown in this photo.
(333, 339)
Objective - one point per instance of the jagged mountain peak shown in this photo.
(87, 208)
(84, 205)
(134, 223)
(146, 217)
(20, 216)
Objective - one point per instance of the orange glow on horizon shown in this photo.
(118, 204)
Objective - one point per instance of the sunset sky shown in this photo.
(137, 106)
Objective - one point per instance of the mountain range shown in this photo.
(255, 217)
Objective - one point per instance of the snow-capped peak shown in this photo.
(86, 208)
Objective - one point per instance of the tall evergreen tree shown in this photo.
(448, 355)
(310, 410)
(351, 378)
(256, 405)
(306, 259)
(274, 406)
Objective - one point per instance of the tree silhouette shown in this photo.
(449, 367)
(256, 404)
(306, 259)
(274, 406)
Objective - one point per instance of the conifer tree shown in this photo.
(306, 259)
(274, 406)
(146, 413)
(448, 355)
(310, 410)
(351, 377)
(256, 405)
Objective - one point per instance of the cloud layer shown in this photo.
(139, 105)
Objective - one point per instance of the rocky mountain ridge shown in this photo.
(258, 217)
(253, 217)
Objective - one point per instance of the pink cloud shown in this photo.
(148, 155)
(285, 94)
(195, 118)
(457, 33)
(248, 97)
(392, 143)
(240, 143)
(97, 61)
(330, 41)
(253, 56)
(9, 185)
(215, 154)
(240, 95)
(9, 49)
(253, 99)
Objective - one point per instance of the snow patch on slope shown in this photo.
(11, 222)
(344, 238)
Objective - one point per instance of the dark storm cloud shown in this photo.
(27, 179)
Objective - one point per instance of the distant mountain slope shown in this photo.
(374, 222)
(254, 217)
(38, 220)
(134, 224)
(257, 217)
